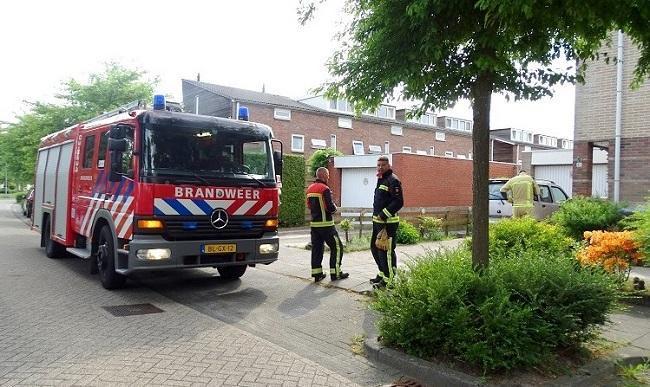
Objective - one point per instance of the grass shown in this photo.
(357, 244)
(635, 375)
(356, 344)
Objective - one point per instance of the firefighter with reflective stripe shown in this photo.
(321, 206)
(387, 202)
(521, 191)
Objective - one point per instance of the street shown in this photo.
(269, 328)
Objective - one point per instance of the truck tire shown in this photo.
(53, 249)
(105, 258)
(231, 272)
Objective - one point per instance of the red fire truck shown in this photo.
(141, 189)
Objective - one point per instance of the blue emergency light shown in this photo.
(159, 102)
(243, 113)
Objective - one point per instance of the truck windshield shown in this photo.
(206, 155)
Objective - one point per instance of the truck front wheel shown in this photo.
(231, 272)
(106, 260)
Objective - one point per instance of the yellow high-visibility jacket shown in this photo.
(521, 190)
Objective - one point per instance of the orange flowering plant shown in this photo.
(613, 251)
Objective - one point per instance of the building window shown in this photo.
(527, 148)
(449, 154)
(386, 147)
(421, 152)
(297, 143)
(345, 123)
(396, 130)
(567, 144)
(89, 148)
(458, 124)
(333, 141)
(432, 151)
(460, 156)
(318, 144)
(406, 149)
(357, 148)
(282, 114)
(440, 136)
(383, 111)
(428, 119)
(341, 105)
(374, 149)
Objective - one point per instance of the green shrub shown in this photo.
(319, 159)
(580, 214)
(20, 196)
(407, 234)
(346, 226)
(357, 244)
(512, 237)
(292, 206)
(430, 228)
(639, 222)
(517, 314)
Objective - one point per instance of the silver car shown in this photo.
(549, 200)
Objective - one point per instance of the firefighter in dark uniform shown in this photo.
(321, 206)
(387, 202)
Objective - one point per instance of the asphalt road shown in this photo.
(311, 323)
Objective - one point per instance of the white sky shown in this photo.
(243, 43)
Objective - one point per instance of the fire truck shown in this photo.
(137, 189)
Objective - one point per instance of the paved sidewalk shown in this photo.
(54, 331)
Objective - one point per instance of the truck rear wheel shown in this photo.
(52, 249)
(231, 272)
(106, 260)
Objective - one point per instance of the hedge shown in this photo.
(292, 206)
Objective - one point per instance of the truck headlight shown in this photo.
(268, 248)
(153, 254)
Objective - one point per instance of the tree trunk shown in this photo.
(482, 96)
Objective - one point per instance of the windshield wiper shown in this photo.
(185, 174)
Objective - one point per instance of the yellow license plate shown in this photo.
(220, 248)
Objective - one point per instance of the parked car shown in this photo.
(549, 200)
(28, 203)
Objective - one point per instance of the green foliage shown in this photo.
(319, 159)
(430, 228)
(407, 233)
(580, 214)
(510, 238)
(104, 91)
(639, 222)
(292, 206)
(357, 244)
(346, 226)
(516, 314)
(20, 196)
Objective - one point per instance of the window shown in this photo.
(89, 147)
(357, 148)
(428, 119)
(386, 147)
(374, 149)
(421, 152)
(383, 111)
(282, 114)
(567, 144)
(515, 135)
(345, 123)
(406, 149)
(558, 195)
(103, 145)
(460, 156)
(255, 158)
(448, 123)
(528, 137)
(318, 144)
(527, 148)
(432, 151)
(341, 105)
(297, 143)
(545, 194)
(396, 130)
(440, 136)
(458, 124)
(449, 154)
(127, 156)
(333, 141)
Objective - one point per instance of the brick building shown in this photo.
(509, 144)
(595, 119)
(316, 122)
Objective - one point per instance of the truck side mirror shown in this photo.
(277, 161)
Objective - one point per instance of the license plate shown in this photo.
(219, 249)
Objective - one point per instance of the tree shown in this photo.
(320, 158)
(105, 91)
(438, 52)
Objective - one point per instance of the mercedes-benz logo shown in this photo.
(219, 218)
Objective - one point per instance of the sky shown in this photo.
(244, 43)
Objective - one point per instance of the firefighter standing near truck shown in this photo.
(521, 191)
(387, 202)
(321, 206)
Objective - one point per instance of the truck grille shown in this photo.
(184, 228)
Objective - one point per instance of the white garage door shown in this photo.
(560, 174)
(358, 187)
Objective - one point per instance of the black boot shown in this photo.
(339, 276)
(319, 277)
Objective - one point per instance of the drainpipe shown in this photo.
(196, 110)
(619, 114)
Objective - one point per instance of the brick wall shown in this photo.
(322, 125)
(430, 181)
